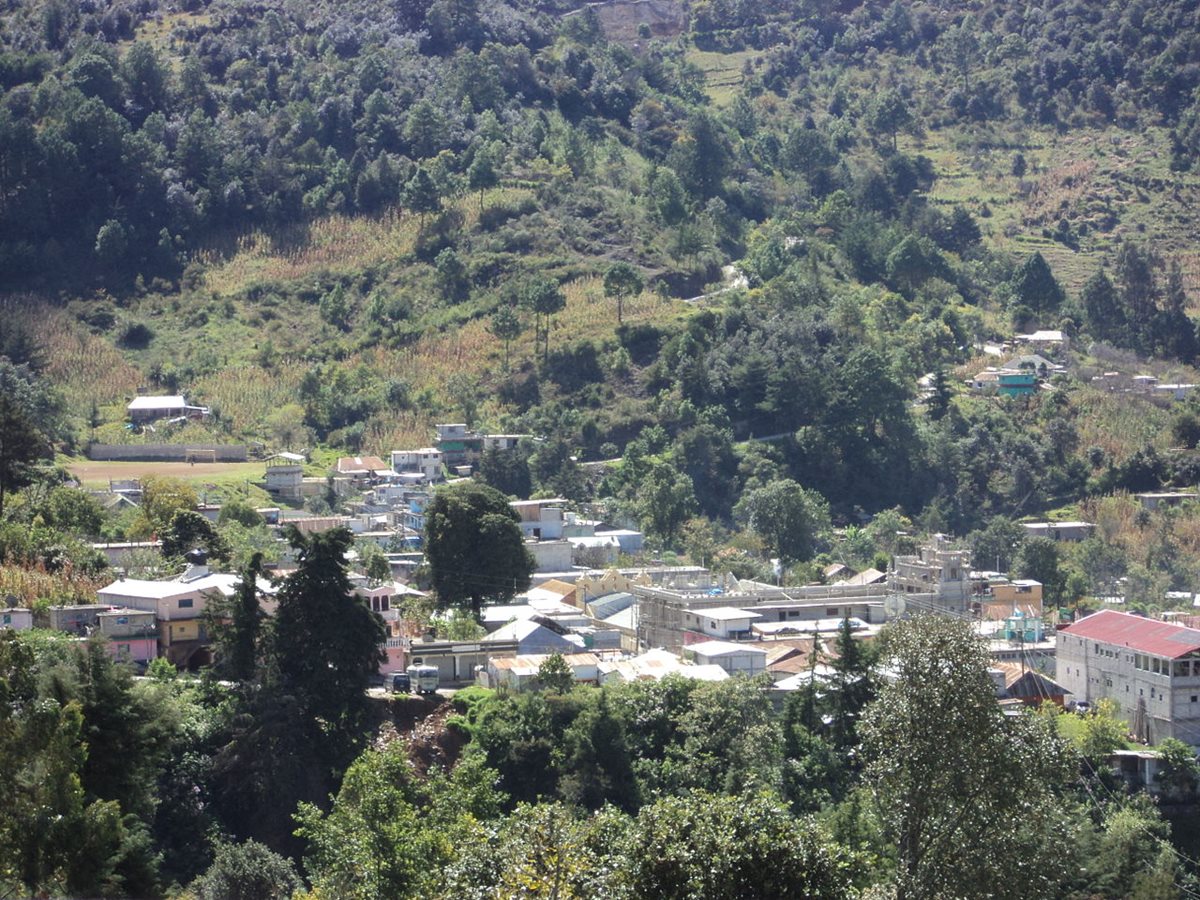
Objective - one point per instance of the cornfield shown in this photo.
(35, 586)
(245, 395)
(87, 368)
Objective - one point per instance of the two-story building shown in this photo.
(426, 462)
(1151, 669)
(178, 606)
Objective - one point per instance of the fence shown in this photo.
(168, 452)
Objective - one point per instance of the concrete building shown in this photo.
(285, 476)
(178, 606)
(1152, 500)
(460, 446)
(1151, 669)
(426, 462)
(132, 634)
(1060, 531)
(541, 520)
(936, 579)
(17, 618)
(725, 623)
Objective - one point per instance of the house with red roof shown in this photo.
(1150, 668)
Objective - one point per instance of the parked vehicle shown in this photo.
(401, 683)
(424, 679)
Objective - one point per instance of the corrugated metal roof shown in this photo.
(1137, 633)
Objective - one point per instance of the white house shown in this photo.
(723, 622)
(541, 520)
(426, 462)
(149, 409)
(17, 618)
(736, 659)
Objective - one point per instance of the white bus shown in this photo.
(424, 679)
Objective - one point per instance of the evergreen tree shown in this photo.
(1035, 287)
(506, 326)
(1103, 308)
(326, 642)
(620, 281)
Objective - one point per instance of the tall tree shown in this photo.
(621, 281)
(326, 642)
(475, 548)
(421, 194)
(1102, 306)
(506, 326)
(889, 114)
(993, 798)
(544, 298)
(851, 688)
(237, 626)
(482, 173)
(1034, 286)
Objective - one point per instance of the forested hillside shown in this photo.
(738, 267)
(338, 223)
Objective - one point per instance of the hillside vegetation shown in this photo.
(338, 223)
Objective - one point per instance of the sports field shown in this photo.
(98, 473)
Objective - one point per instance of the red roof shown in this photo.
(1137, 633)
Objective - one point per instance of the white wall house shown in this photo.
(426, 462)
(736, 659)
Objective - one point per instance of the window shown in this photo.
(832, 613)
(185, 604)
(1193, 698)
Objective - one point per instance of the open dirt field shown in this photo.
(98, 473)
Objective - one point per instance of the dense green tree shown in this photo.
(889, 114)
(941, 704)
(997, 545)
(187, 531)
(506, 326)
(54, 837)
(247, 871)
(236, 626)
(789, 518)
(483, 173)
(474, 547)
(421, 194)
(23, 440)
(452, 277)
(325, 644)
(1038, 558)
(665, 500)
(728, 848)
(555, 675)
(507, 471)
(1034, 286)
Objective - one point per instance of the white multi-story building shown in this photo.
(427, 462)
(1151, 669)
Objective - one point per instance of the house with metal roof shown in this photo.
(1149, 668)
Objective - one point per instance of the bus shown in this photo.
(424, 679)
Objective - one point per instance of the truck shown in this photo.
(424, 679)
(400, 683)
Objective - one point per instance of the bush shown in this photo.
(247, 871)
